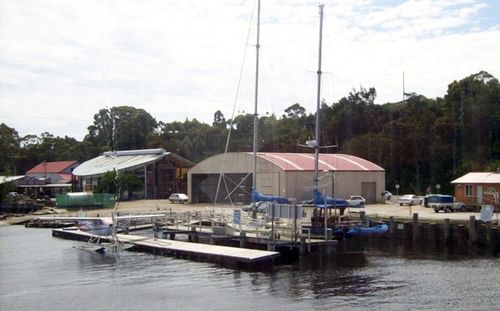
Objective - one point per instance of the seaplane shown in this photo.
(102, 228)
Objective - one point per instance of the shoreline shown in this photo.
(374, 211)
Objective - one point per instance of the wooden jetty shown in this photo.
(475, 234)
(220, 253)
(224, 255)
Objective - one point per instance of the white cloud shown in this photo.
(60, 61)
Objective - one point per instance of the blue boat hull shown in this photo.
(367, 230)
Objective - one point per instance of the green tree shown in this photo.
(47, 147)
(107, 183)
(219, 120)
(473, 105)
(353, 115)
(295, 111)
(121, 128)
(9, 150)
(126, 181)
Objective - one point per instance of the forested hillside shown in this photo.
(420, 142)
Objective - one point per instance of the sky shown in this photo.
(63, 61)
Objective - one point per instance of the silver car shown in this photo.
(409, 199)
(356, 200)
(178, 198)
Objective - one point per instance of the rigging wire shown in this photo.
(234, 106)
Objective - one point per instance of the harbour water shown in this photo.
(39, 272)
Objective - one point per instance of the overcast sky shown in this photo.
(62, 61)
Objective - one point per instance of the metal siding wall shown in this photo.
(349, 183)
(233, 163)
(299, 184)
(369, 191)
(269, 183)
(293, 184)
(204, 188)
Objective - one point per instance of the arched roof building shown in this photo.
(161, 172)
(284, 174)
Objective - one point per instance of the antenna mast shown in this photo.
(255, 115)
(318, 100)
(404, 86)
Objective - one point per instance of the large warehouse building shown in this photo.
(228, 177)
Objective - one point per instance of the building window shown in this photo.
(468, 191)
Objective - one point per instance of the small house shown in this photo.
(478, 188)
(49, 178)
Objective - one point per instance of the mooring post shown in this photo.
(433, 236)
(415, 226)
(362, 215)
(193, 235)
(392, 226)
(446, 229)
(488, 233)
(424, 233)
(243, 239)
(302, 246)
(329, 234)
(407, 230)
(472, 229)
(461, 236)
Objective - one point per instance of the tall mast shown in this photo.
(403, 85)
(255, 115)
(318, 99)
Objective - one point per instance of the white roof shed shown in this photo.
(129, 160)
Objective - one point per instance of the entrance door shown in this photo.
(368, 191)
(479, 195)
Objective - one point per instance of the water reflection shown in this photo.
(90, 259)
(358, 277)
(321, 275)
(414, 250)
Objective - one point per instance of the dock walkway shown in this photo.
(213, 253)
(174, 247)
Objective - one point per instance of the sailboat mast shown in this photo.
(318, 100)
(255, 115)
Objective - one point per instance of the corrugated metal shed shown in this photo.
(327, 162)
(284, 174)
(129, 159)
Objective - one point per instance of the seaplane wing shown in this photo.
(96, 225)
(140, 216)
(100, 225)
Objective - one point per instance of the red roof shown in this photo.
(327, 162)
(65, 178)
(51, 167)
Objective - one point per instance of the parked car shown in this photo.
(459, 207)
(178, 198)
(409, 199)
(439, 202)
(386, 195)
(429, 198)
(355, 200)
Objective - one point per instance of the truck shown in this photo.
(443, 202)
